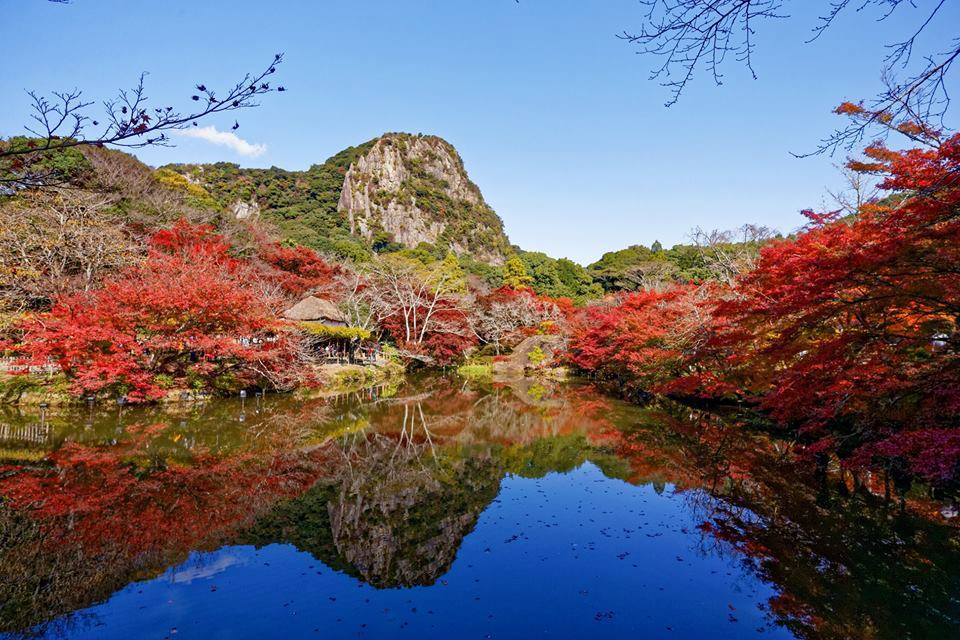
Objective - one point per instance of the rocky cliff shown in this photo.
(414, 189)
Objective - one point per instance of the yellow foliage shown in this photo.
(173, 180)
(327, 331)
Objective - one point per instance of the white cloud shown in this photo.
(223, 139)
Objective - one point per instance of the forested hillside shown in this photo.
(394, 192)
(302, 204)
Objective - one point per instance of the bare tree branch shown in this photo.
(62, 121)
(689, 35)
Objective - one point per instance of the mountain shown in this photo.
(397, 191)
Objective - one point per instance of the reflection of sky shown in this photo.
(204, 565)
(571, 555)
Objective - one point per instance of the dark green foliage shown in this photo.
(576, 280)
(623, 270)
(488, 273)
(383, 242)
(303, 204)
(425, 253)
(690, 262)
(560, 454)
(561, 278)
(51, 167)
(612, 269)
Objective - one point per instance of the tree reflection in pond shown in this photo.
(386, 487)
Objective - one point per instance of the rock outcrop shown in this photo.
(242, 210)
(537, 354)
(413, 189)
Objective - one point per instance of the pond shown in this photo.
(438, 508)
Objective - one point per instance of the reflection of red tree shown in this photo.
(99, 516)
(98, 498)
(688, 448)
(825, 559)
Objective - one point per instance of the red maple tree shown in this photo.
(849, 331)
(640, 341)
(189, 315)
(846, 334)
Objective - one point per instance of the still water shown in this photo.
(441, 509)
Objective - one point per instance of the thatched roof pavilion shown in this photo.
(313, 309)
(325, 327)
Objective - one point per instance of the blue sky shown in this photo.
(554, 117)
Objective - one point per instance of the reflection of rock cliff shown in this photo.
(403, 496)
(400, 515)
(393, 516)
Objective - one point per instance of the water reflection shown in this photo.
(386, 487)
